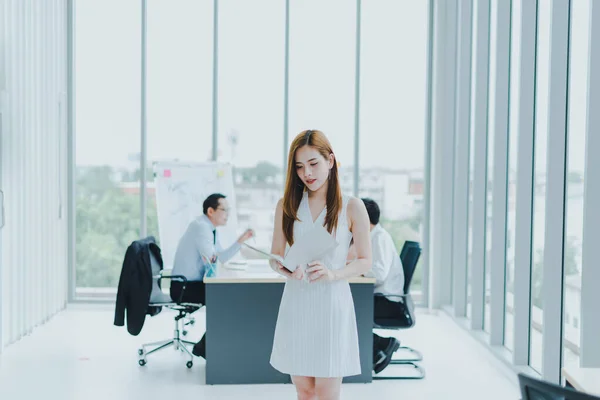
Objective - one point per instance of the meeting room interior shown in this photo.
(299, 199)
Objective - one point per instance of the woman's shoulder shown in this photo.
(354, 206)
(352, 202)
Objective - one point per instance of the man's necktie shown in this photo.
(214, 236)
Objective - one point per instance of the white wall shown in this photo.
(33, 164)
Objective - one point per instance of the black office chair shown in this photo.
(409, 255)
(158, 299)
(404, 257)
(535, 389)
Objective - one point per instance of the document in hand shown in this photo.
(311, 246)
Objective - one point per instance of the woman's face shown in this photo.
(312, 168)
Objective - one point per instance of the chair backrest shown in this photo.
(157, 295)
(409, 256)
(407, 245)
(535, 389)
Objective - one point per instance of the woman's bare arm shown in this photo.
(279, 242)
(360, 228)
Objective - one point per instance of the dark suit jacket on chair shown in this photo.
(135, 285)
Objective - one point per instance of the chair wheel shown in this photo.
(189, 364)
(142, 362)
(184, 333)
(141, 352)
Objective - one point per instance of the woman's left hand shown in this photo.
(318, 272)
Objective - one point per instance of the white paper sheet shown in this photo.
(313, 245)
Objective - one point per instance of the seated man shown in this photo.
(201, 240)
(389, 280)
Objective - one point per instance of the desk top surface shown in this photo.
(256, 271)
(585, 380)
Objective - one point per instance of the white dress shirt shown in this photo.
(387, 267)
(199, 240)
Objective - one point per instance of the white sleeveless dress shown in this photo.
(316, 332)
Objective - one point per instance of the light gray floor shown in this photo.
(79, 354)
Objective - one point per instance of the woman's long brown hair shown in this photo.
(294, 187)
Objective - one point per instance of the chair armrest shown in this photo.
(177, 278)
(390, 296)
(405, 299)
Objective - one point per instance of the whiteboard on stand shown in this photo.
(181, 189)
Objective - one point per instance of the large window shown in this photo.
(513, 138)
(322, 76)
(532, 56)
(251, 79)
(539, 181)
(392, 111)
(578, 73)
(107, 95)
(249, 106)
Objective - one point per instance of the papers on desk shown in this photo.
(236, 264)
(313, 245)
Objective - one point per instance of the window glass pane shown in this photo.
(392, 115)
(539, 184)
(179, 87)
(251, 88)
(513, 138)
(322, 76)
(474, 39)
(490, 157)
(578, 73)
(107, 113)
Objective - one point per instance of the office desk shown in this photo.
(241, 312)
(585, 380)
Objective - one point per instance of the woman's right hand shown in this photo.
(298, 274)
(277, 267)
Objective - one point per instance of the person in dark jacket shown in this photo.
(135, 285)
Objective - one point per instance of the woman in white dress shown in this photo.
(316, 340)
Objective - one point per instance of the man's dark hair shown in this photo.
(372, 210)
(212, 201)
